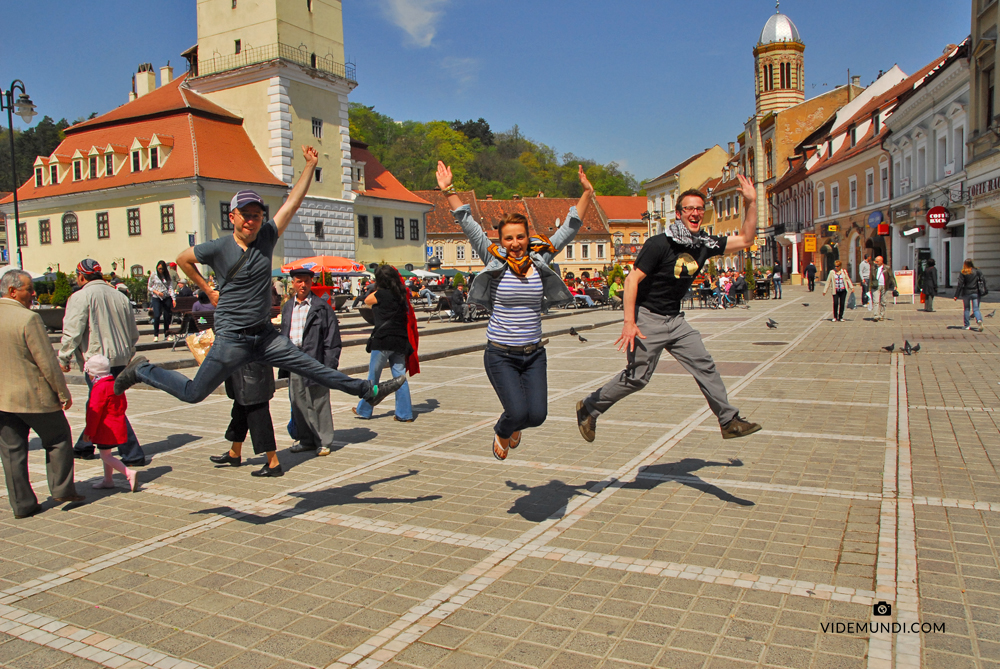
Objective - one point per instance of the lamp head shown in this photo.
(25, 108)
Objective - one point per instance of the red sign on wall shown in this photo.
(938, 217)
(883, 229)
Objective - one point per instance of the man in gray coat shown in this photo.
(33, 396)
(311, 324)
(865, 272)
(99, 321)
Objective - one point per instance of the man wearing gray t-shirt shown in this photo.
(243, 329)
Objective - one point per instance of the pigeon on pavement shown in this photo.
(581, 337)
(907, 349)
(771, 326)
(890, 348)
(805, 304)
(916, 349)
(991, 314)
(572, 331)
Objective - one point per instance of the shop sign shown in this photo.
(874, 219)
(984, 187)
(809, 244)
(833, 227)
(900, 213)
(883, 229)
(938, 217)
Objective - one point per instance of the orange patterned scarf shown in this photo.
(519, 266)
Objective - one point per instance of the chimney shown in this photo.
(732, 148)
(856, 81)
(145, 80)
(489, 197)
(166, 74)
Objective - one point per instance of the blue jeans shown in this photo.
(162, 309)
(971, 304)
(428, 295)
(232, 351)
(777, 288)
(130, 451)
(397, 363)
(521, 384)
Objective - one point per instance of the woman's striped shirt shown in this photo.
(517, 310)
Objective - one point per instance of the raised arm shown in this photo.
(463, 216)
(294, 201)
(749, 231)
(446, 183)
(588, 193)
(574, 219)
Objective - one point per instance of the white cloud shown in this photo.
(463, 70)
(419, 18)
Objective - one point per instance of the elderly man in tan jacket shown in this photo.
(33, 396)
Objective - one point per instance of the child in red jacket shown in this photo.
(106, 426)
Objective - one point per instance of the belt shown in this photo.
(255, 329)
(530, 348)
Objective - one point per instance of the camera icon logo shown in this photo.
(882, 608)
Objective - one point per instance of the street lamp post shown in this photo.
(26, 110)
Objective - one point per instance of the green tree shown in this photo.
(62, 290)
(457, 280)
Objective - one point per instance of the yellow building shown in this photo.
(662, 192)
(280, 66)
(139, 184)
(390, 218)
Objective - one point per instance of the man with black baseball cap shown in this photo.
(243, 329)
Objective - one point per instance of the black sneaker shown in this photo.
(127, 378)
(380, 391)
(739, 427)
(268, 471)
(586, 422)
(140, 462)
(226, 459)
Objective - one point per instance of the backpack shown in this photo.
(981, 284)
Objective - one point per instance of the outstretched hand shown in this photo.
(626, 342)
(747, 189)
(584, 181)
(444, 176)
(310, 154)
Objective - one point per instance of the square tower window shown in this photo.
(318, 229)
(317, 127)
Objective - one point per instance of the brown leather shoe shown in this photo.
(739, 427)
(586, 422)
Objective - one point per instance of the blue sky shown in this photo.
(645, 83)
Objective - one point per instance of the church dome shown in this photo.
(779, 28)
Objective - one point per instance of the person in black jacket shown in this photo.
(251, 388)
(310, 322)
(968, 289)
(929, 285)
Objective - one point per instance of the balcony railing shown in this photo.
(263, 54)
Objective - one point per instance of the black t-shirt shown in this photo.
(390, 324)
(245, 301)
(670, 269)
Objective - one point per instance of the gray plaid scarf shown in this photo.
(680, 234)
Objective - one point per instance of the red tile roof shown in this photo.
(622, 207)
(205, 144)
(379, 182)
(439, 219)
(543, 212)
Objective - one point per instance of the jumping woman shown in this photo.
(515, 287)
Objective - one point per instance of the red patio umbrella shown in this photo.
(322, 264)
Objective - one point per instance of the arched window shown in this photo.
(70, 228)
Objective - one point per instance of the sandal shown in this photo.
(515, 439)
(499, 451)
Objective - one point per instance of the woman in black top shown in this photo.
(389, 343)
(968, 289)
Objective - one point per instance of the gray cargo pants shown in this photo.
(680, 340)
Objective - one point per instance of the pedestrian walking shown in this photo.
(515, 287)
(929, 285)
(882, 285)
(970, 287)
(865, 272)
(811, 276)
(842, 285)
(311, 324)
(161, 298)
(33, 396)
(776, 279)
(390, 343)
(106, 427)
(99, 321)
(664, 270)
(251, 388)
(243, 329)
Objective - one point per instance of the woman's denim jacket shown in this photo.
(554, 290)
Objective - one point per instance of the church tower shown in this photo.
(779, 63)
(279, 64)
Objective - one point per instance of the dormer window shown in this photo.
(876, 125)
(109, 165)
(93, 167)
(854, 136)
(38, 177)
(54, 175)
(136, 162)
(77, 170)
(154, 158)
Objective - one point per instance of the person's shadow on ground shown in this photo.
(545, 501)
(681, 472)
(86, 488)
(427, 406)
(344, 495)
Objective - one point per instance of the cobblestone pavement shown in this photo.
(659, 544)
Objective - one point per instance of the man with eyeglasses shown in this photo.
(666, 266)
(243, 329)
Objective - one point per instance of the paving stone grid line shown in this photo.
(896, 443)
